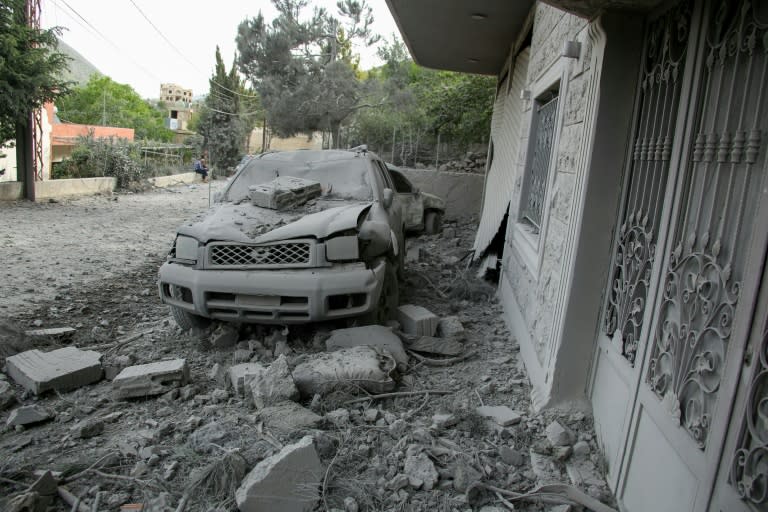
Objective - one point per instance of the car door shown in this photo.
(413, 200)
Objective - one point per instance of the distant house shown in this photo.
(178, 103)
(627, 200)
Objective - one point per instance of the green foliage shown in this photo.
(105, 102)
(102, 157)
(304, 69)
(227, 117)
(30, 68)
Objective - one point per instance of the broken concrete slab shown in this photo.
(62, 369)
(372, 336)
(53, 332)
(238, 374)
(358, 367)
(450, 326)
(272, 385)
(287, 417)
(87, 428)
(545, 469)
(287, 481)
(151, 379)
(28, 415)
(465, 475)
(583, 474)
(7, 396)
(417, 320)
(284, 192)
(420, 471)
(500, 414)
(558, 435)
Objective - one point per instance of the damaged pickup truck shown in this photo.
(295, 237)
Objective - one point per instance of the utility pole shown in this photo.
(104, 109)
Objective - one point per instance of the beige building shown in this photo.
(178, 102)
(628, 186)
(174, 93)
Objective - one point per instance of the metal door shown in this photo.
(682, 287)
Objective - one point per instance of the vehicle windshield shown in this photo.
(340, 178)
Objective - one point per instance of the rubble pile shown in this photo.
(431, 412)
(472, 162)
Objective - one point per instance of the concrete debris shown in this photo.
(284, 192)
(544, 468)
(288, 417)
(28, 415)
(583, 474)
(239, 373)
(581, 448)
(339, 417)
(420, 471)
(224, 336)
(241, 355)
(203, 439)
(151, 379)
(442, 346)
(220, 375)
(118, 364)
(465, 475)
(510, 456)
(350, 504)
(61, 369)
(500, 414)
(558, 435)
(53, 332)
(287, 481)
(441, 421)
(366, 367)
(268, 386)
(87, 429)
(417, 320)
(372, 336)
(7, 396)
(449, 327)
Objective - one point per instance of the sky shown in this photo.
(116, 38)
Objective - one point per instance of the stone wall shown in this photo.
(463, 192)
(534, 266)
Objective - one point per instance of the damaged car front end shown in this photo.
(298, 237)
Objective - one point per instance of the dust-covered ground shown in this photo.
(92, 263)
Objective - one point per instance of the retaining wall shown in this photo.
(463, 192)
(175, 179)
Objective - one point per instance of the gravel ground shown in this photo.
(92, 263)
(49, 248)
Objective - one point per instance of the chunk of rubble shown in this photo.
(61, 369)
(53, 332)
(224, 336)
(284, 192)
(420, 471)
(545, 469)
(450, 326)
(287, 417)
(151, 379)
(7, 396)
(87, 429)
(417, 320)
(371, 336)
(28, 415)
(500, 414)
(366, 367)
(239, 373)
(287, 481)
(272, 385)
(558, 435)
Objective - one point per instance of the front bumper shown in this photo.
(273, 296)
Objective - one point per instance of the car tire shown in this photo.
(187, 320)
(433, 222)
(389, 299)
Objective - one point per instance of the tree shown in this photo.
(303, 68)
(105, 102)
(228, 115)
(30, 68)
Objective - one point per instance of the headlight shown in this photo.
(186, 248)
(342, 248)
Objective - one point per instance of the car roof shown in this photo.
(314, 155)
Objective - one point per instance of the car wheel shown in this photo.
(433, 222)
(187, 320)
(389, 299)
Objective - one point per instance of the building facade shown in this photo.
(178, 103)
(628, 178)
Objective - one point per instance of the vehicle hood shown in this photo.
(247, 223)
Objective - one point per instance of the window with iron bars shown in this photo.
(537, 173)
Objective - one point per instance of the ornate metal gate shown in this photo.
(682, 287)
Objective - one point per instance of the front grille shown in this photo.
(284, 254)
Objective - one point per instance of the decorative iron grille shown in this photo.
(244, 255)
(664, 56)
(712, 234)
(536, 187)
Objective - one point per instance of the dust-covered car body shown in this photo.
(423, 212)
(331, 255)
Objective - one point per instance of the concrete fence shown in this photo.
(48, 189)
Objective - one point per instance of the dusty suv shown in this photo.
(295, 237)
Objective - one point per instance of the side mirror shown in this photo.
(388, 197)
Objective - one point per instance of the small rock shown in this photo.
(218, 374)
(450, 326)
(350, 504)
(561, 453)
(224, 336)
(465, 475)
(397, 482)
(240, 373)
(581, 448)
(272, 385)
(500, 414)
(338, 417)
(7, 396)
(87, 429)
(282, 348)
(397, 428)
(28, 415)
(441, 421)
(371, 415)
(558, 435)
(511, 457)
(241, 355)
(420, 469)
(287, 417)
